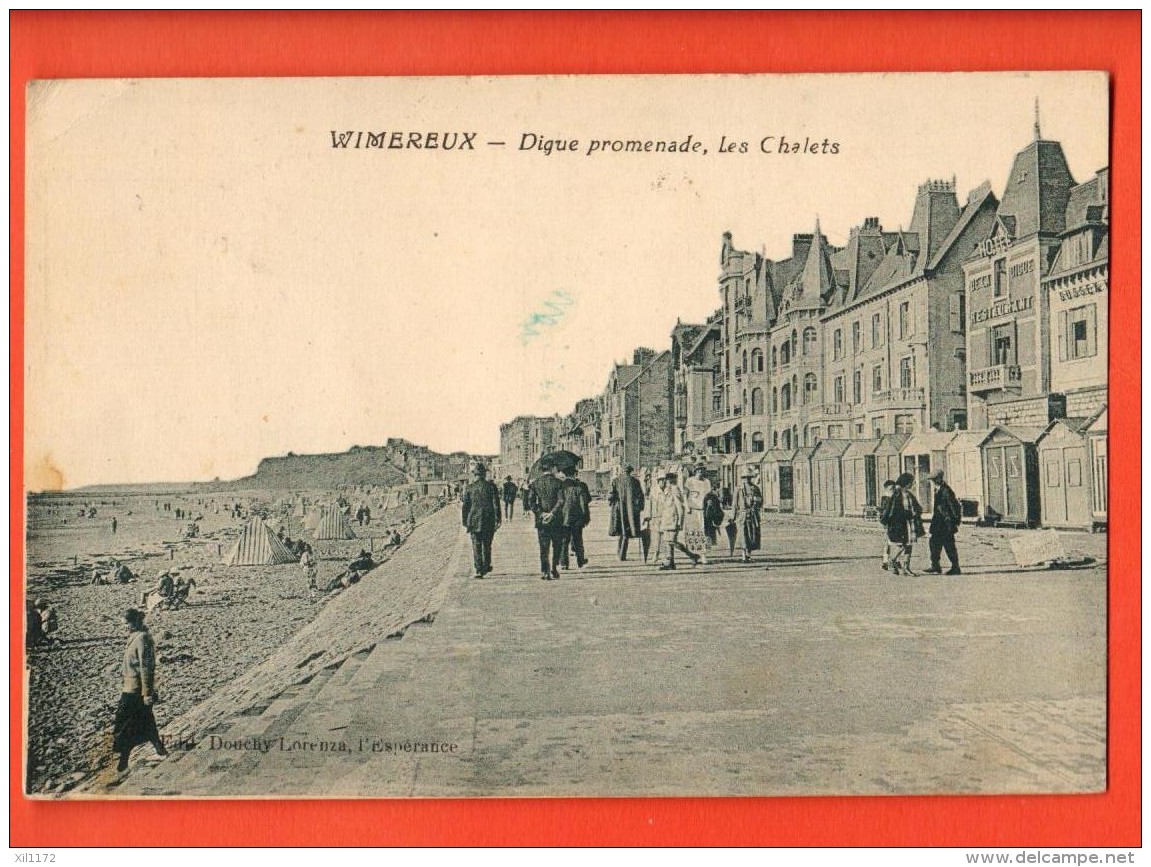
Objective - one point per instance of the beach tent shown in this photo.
(1065, 474)
(827, 477)
(1011, 475)
(801, 479)
(859, 477)
(888, 460)
(923, 454)
(965, 471)
(259, 546)
(334, 525)
(775, 468)
(1097, 443)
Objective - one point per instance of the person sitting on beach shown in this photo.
(33, 626)
(363, 563)
(49, 624)
(165, 585)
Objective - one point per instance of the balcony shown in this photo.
(898, 398)
(998, 378)
(836, 410)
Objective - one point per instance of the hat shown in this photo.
(671, 474)
(480, 469)
(937, 476)
(904, 480)
(629, 469)
(507, 478)
(889, 484)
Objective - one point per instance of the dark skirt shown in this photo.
(135, 724)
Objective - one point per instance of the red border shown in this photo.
(114, 44)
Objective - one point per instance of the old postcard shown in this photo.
(567, 436)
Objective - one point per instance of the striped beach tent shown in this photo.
(334, 525)
(259, 546)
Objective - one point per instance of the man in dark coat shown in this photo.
(574, 513)
(481, 515)
(945, 518)
(543, 497)
(510, 490)
(626, 501)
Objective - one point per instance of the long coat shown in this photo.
(481, 507)
(574, 506)
(543, 496)
(745, 513)
(672, 510)
(626, 500)
(946, 514)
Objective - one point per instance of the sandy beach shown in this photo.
(235, 617)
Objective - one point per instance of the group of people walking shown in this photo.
(687, 518)
(669, 517)
(901, 515)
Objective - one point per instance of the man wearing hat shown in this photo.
(510, 489)
(945, 518)
(543, 498)
(672, 511)
(626, 501)
(481, 516)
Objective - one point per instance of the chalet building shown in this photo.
(1043, 242)
(636, 424)
(697, 385)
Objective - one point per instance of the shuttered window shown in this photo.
(957, 313)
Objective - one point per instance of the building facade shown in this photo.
(524, 440)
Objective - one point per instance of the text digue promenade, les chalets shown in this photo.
(535, 143)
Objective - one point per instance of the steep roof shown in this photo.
(976, 199)
(818, 276)
(1037, 190)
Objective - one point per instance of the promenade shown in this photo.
(808, 671)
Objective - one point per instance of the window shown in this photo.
(775, 439)
(785, 353)
(785, 397)
(1003, 344)
(757, 360)
(810, 388)
(906, 373)
(717, 404)
(855, 338)
(757, 401)
(757, 442)
(875, 335)
(1000, 278)
(787, 439)
(745, 367)
(816, 436)
(839, 396)
(835, 431)
(957, 314)
(877, 379)
(905, 327)
(1054, 474)
(774, 358)
(775, 400)
(877, 430)
(1074, 474)
(905, 424)
(857, 387)
(959, 419)
(809, 338)
(837, 344)
(859, 429)
(1077, 333)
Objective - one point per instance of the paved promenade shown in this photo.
(810, 671)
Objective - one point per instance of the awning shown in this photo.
(720, 428)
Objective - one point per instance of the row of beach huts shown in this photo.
(1021, 476)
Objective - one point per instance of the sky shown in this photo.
(210, 281)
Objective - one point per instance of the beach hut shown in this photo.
(965, 471)
(1065, 474)
(827, 477)
(334, 525)
(1011, 475)
(859, 485)
(1097, 445)
(775, 470)
(801, 479)
(923, 454)
(888, 461)
(259, 546)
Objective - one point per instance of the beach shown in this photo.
(235, 617)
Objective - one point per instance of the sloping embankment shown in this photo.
(408, 588)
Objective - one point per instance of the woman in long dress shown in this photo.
(135, 723)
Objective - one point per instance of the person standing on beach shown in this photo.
(135, 724)
(510, 490)
(113, 526)
(481, 517)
